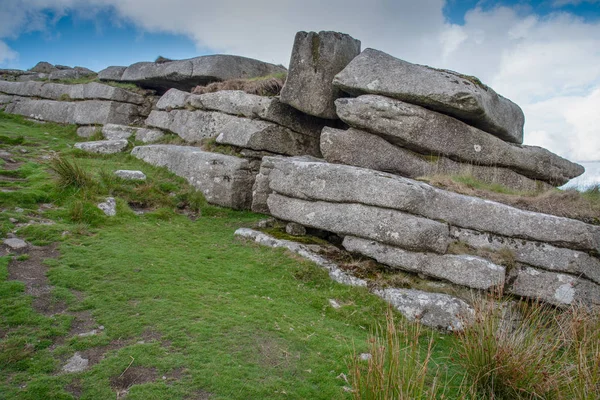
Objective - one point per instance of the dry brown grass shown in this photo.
(267, 86)
(563, 203)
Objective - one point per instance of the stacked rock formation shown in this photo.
(338, 151)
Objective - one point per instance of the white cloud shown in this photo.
(548, 65)
(560, 3)
(6, 53)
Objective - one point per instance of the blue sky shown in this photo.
(544, 54)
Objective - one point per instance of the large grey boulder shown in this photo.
(551, 287)
(429, 132)
(464, 270)
(111, 73)
(58, 91)
(237, 102)
(541, 255)
(90, 112)
(224, 180)
(384, 225)
(316, 59)
(5, 98)
(186, 74)
(102, 146)
(44, 110)
(435, 310)
(173, 99)
(146, 135)
(346, 184)
(367, 150)
(266, 136)
(191, 126)
(448, 92)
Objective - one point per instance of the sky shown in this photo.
(544, 55)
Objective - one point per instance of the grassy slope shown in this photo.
(240, 321)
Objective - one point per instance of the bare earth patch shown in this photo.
(132, 376)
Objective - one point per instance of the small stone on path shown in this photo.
(109, 207)
(130, 175)
(76, 364)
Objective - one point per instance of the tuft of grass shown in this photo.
(12, 141)
(70, 174)
(398, 366)
(269, 85)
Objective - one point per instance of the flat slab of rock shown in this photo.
(316, 59)
(435, 310)
(88, 112)
(130, 175)
(346, 184)
(237, 102)
(146, 135)
(76, 364)
(445, 91)
(473, 272)
(186, 74)
(191, 126)
(266, 136)
(367, 150)
(15, 244)
(71, 73)
(432, 133)
(552, 287)
(103, 146)
(384, 225)
(224, 180)
(335, 272)
(535, 254)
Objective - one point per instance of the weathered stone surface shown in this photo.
(448, 92)
(346, 184)
(536, 254)
(295, 229)
(186, 74)
(146, 135)
(113, 73)
(15, 244)
(367, 150)
(237, 102)
(191, 126)
(76, 364)
(429, 132)
(88, 131)
(261, 135)
(436, 310)
(74, 73)
(109, 207)
(335, 272)
(5, 99)
(173, 99)
(58, 91)
(261, 189)
(116, 132)
(552, 287)
(316, 59)
(86, 112)
(464, 270)
(102, 146)
(224, 180)
(130, 175)
(384, 225)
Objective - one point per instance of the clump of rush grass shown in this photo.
(512, 354)
(398, 365)
(269, 85)
(70, 174)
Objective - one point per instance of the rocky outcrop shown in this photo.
(465, 270)
(186, 74)
(71, 73)
(316, 59)
(87, 112)
(111, 73)
(194, 126)
(56, 91)
(224, 180)
(345, 184)
(367, 150)
(431, 133)
(448, 92)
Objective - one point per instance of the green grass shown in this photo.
(236, 319)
